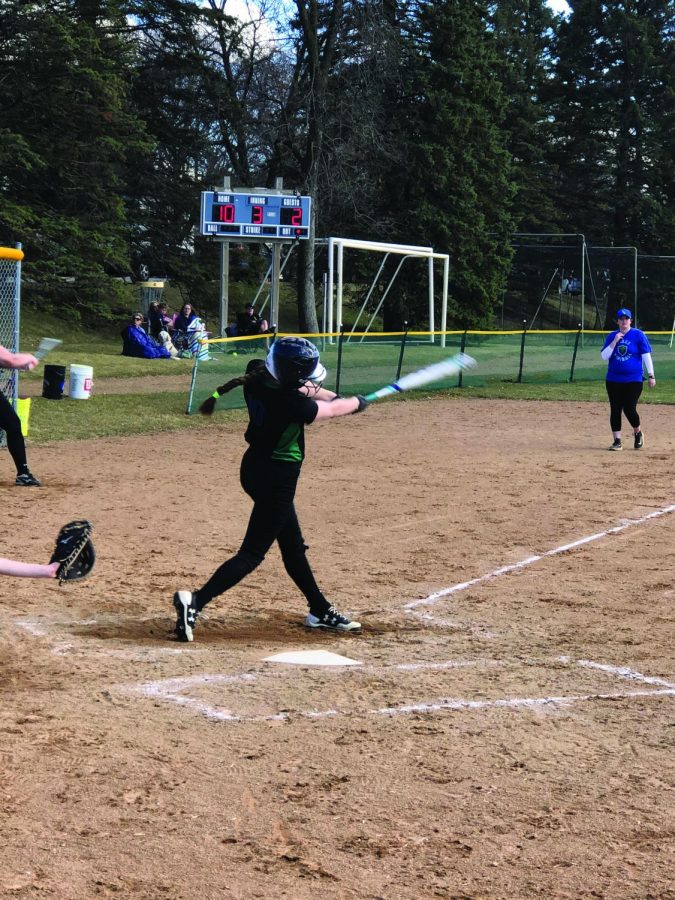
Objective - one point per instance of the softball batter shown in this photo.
(282, 395)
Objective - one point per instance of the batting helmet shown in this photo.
(294, 361)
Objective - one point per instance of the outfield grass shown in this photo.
(114, 415)
(102, 351)
(139, 413)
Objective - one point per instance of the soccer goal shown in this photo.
(335, 287)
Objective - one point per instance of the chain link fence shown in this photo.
(10, 296)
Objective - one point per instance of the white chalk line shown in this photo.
(168, 690)
(530, 560)
(622, 672)
(515, 703)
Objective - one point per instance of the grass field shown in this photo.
(150, 406)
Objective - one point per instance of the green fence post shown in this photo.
(339, 358)
(522, 351)
(400, 355)
(462, 347)
(574, 355)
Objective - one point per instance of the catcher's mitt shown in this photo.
(74, 551)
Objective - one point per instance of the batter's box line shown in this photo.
(168, 691)
(530, 560)
(42, 627)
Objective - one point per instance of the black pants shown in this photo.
(11, 424)
(623, 397)
(271, 485)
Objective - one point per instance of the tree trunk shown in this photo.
(307, 320)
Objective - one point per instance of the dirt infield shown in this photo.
(508, 732)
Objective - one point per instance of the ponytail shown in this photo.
(255, 371)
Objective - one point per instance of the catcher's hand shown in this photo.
(74, 551)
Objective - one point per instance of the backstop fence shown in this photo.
(10, 295)
(358, 364)
(558, 281)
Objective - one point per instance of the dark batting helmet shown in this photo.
(294, 361)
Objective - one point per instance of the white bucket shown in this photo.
(81, 382)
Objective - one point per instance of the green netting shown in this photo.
(368, 362)
(228, 359)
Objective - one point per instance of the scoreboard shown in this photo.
(263, 217)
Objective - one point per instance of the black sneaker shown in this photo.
(27, 479)
(184, 603)
(639, 441)
(617, 445)
(333, 621)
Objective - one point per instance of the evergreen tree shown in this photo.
(208, 88)
(459, 182)
(169, 95)
(613, 98)
(524, 31)
(69, 130)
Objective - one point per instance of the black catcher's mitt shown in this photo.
(74, 551)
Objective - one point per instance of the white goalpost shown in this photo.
(334, 293)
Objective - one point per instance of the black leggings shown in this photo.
(11, 423)
(623, 397)
(271, 485)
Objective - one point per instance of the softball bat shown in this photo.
(435, 372)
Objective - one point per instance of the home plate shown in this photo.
(312, 658)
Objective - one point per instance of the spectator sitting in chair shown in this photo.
(166, 317)
(155, 322)
(249, 322)
(137, 343)
(185, 317)
(573, 285)
(158, 328)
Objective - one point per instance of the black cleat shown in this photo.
(617, 445)
(639, 441)
(332, 620)
(27, 479)
(187, 612)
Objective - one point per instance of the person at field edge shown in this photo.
(626, 351)
(10, 422)
(249, 322)
(283, 394)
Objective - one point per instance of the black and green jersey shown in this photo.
(277, 419)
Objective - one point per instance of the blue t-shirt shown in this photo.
(625, 363)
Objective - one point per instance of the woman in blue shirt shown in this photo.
(626, 351)
(283, 395)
